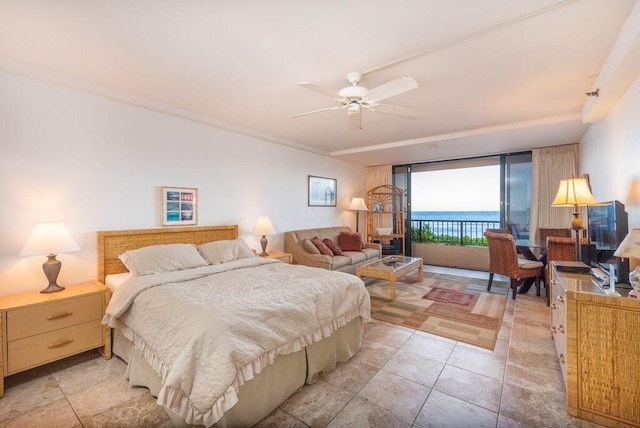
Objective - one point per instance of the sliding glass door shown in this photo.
(517, 193)
(454, 202)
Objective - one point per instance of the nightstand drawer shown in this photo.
(35, 350)
(41, 318)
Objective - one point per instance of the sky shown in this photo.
(468, 189)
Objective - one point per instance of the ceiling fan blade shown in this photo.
(392, 88)
(397, 110)
(320, 90)
(316, 111)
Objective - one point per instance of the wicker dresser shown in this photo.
(597, 338)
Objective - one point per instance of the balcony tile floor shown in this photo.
(399, 378)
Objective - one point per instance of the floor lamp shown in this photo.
(576, 193)
(357, 205)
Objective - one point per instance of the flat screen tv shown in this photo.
(608, 224)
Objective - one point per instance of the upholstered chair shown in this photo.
(503, 260)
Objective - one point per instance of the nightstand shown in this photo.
(37, 328)
(285, 257)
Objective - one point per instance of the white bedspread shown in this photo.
(208, 330)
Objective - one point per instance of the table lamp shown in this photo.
(574, 192)
(630, 248)
(50, 239)
(263, 227)
(357, 205)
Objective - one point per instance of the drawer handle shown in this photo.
(561, 358)
(561, 328)
(60, 315)
(561, 298)
(553, 306)
(59, 343)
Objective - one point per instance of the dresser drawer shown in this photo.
(48, 316)
(35, 350)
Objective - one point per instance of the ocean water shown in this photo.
(456, 215)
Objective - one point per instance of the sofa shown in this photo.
(293, 243)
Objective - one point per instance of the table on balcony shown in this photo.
(526, 248)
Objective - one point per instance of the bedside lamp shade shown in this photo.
(263, 227)
(357, 205)
(629, 248)
(50, 239)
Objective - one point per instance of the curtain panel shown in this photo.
(549, 166)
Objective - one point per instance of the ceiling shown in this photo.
(494, 75)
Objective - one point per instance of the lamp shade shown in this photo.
(573, 192)
(357, 204)
(263, 226)
(633, 198)
(630, 245)
(49, 238)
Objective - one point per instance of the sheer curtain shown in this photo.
(549, 166)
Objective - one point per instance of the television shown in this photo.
(607, 225)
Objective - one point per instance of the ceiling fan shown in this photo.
(355, 97)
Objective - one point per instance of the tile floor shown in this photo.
(399, 378)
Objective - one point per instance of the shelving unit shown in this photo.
(386, 216)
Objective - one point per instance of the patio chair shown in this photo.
(503, 260)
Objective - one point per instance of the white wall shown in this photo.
(97, 164)
(610, 152)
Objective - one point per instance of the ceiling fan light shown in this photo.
(353, 108)
(355, 92)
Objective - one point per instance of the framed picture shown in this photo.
(322, 191)
(179, 206)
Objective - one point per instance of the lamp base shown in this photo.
(263, 243)
(51, 270)
(52, 288)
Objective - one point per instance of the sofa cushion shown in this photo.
(333, 246)
(371, 253)
(321, 246)
(340, 262)
(310, 246)
(355, 256)
(350, 241)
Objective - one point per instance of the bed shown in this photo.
(283, 326)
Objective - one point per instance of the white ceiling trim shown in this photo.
(464, 134)
(473, 35)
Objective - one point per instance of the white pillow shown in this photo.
(162, 258)
(217, 252)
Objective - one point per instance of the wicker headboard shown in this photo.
(115, 242)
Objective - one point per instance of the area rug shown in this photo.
(454, 307)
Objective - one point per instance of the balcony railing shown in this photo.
(452, 232)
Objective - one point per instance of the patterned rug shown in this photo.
(455, 307)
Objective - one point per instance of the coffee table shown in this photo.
(384, 269)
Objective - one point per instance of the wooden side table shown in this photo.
(285, 257)
(37, 328)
